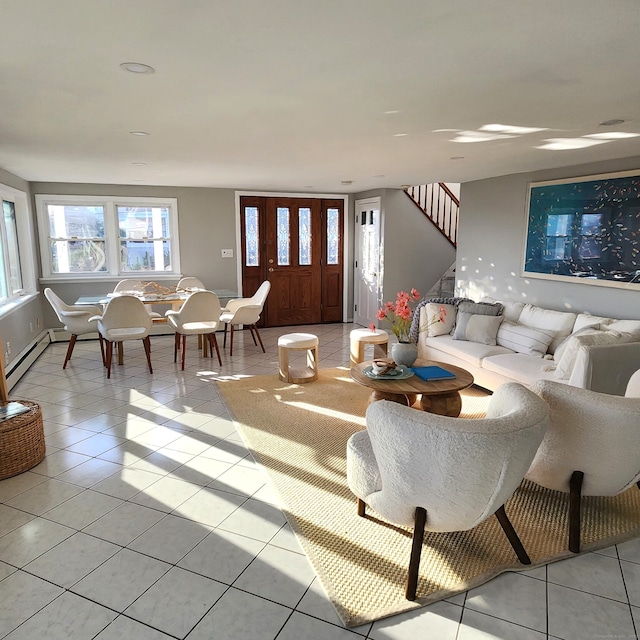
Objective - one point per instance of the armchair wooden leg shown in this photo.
(224, 343)
(251, 326)
(213, 342)
(362, 505)
(184, 349)
(147, 349)
(109, 357)
(72, 343)
(575, 492)
(416, 551)
(104, 358)
(259, 338)
(176, 344)
(231, 342)
(512, 536)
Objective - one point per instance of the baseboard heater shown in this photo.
(26, 358)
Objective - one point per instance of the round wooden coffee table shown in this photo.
(437, 396)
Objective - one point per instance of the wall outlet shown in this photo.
(8, 347)
(227, 253)
(37, 323)
(6, 357)
(31, 327)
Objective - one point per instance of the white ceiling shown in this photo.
(300, 95)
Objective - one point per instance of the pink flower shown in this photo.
(382, 314)
(399, 314)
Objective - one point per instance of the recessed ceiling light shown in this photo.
(391, 112)
(139, 164)
(346, 182)
(400, 135)
(379, 175)
(308, 186)
(611, 123)
(456, 158)
(139, 133)
(137, 67)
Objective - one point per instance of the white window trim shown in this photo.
(111, 236)
(26, 239)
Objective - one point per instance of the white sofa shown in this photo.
(585, 351)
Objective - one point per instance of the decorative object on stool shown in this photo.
(298, 342)
(400, 314)
(22, 443)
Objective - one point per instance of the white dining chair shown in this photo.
(125, 318)
(190, 283)
(245, 311)
(199, 315)
(136, 287)
(77, 319)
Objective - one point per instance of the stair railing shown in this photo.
(440, 205)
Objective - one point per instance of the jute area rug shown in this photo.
(298, 433)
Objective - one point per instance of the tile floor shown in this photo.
(148, 520)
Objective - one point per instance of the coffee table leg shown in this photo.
(400, 398)
(446, 404)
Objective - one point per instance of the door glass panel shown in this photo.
(304, 236)
(333, 236)
(283, 235)
(252, 236)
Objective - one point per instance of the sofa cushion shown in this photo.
(587, 320)
(436, 315)
(559, 321)
(519, 367)
(627, 326)
(475, 327)
(472, 352)
(510, 310)
(523, 339)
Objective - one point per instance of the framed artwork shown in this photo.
(585, 230)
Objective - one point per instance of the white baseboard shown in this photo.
(22, 362)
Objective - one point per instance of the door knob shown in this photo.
(271, 269)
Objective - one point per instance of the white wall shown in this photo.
(491, 246)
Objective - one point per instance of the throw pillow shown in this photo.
(440, 318)
(481, 308)
(567, 343)
(565, 365)
(511, 311)
(587, 320)
(559, 321)
(476, 327)
(523, 339)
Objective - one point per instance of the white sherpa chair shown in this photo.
(438, 473)
(590, 449)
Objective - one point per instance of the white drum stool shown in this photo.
(360, 337)
(298, 342)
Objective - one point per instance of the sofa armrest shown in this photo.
(606, 368)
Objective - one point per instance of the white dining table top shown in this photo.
(152, 298)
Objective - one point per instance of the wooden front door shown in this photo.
(296, 244)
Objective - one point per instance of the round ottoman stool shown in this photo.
(298, 342)
(360, 337)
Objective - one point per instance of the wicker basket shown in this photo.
(22, 443)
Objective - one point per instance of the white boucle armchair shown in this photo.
(438, 473)
(591, 446)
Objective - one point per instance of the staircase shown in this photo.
(438, 202)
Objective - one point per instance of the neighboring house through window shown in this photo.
(90, 237)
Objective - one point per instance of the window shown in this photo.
(91, 236)
(17, 274)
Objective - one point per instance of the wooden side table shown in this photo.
(361, 337)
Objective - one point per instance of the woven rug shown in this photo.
(298, 433)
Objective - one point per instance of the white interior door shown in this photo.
(367, 262)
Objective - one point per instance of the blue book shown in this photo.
(433, 373)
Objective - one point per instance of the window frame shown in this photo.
(25, 246)
(111, 236)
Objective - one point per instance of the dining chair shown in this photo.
(190, 282)
(125, 318)
(138, 287)
(199, 315)
(443, 474)
(245, 311)
(77, 319)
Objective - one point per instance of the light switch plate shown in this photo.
(227, 253)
